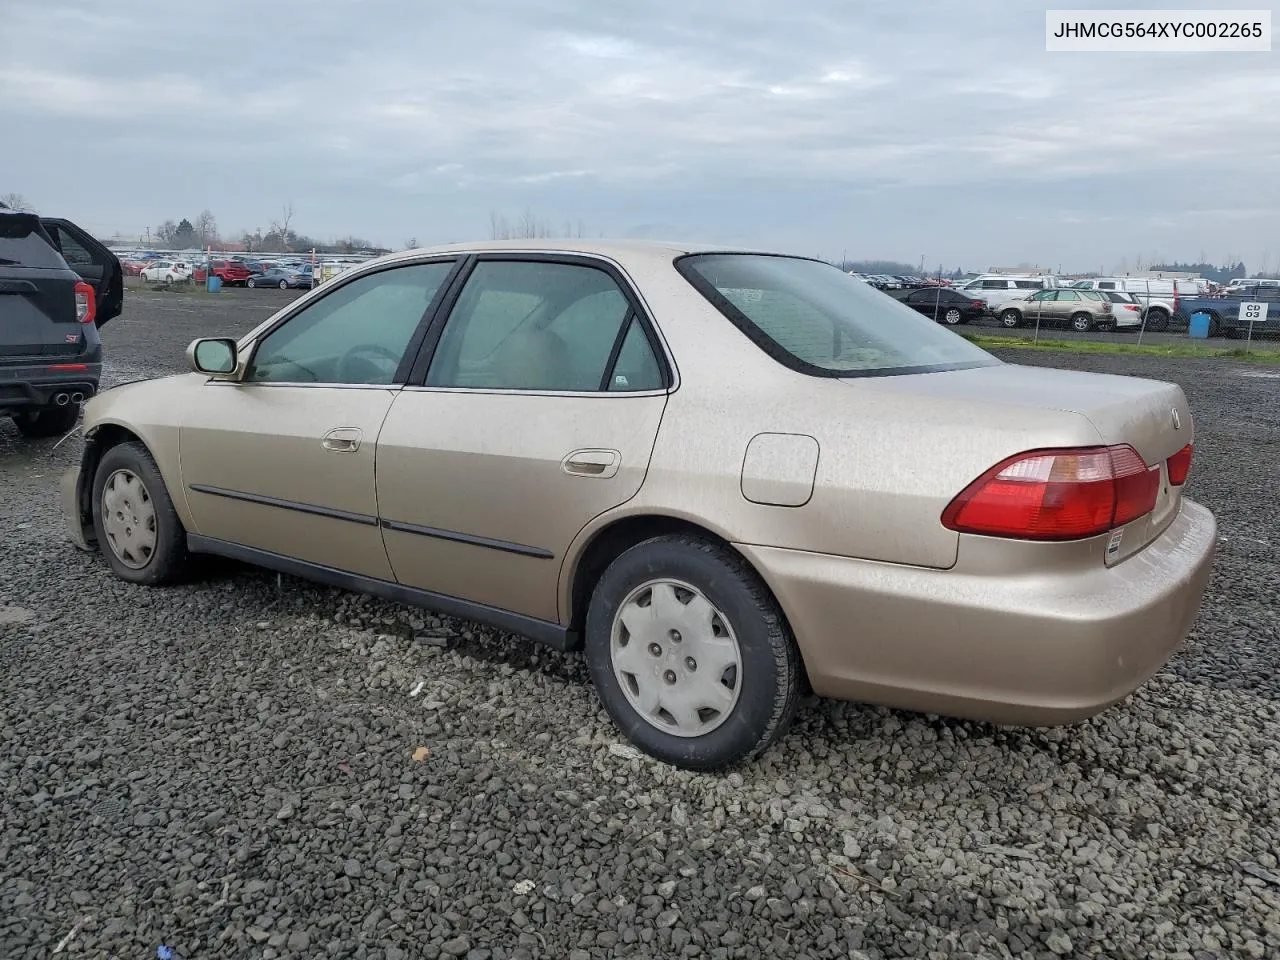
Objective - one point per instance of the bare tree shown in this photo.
(166, 232)
(206, 228)
(280, 227)
(16, 202)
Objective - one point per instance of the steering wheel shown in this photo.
(354, 366)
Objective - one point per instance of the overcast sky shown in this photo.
(901, 129)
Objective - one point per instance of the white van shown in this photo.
(997, 289)
(1160, 296)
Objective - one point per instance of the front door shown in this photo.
(283, 459)
(538, 411)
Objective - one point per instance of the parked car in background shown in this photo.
(1126, 311)
(946, 306)
(167, 271)
(621, 443)
(1082, 310)
(997, 289)
(230, 272)
(58, 285)
(1224, 312)
(281, 278)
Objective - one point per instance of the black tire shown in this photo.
(769, 685)
(1215, 325)
(1081, 322)
(1010, 318)
(169, 561)
(248, 283)
(1157, 321)
(47, 421)
(284, 284)
(1106, 326)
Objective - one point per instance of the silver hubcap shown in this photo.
(676, 658)
(129, 519)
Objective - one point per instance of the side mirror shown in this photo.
(217, 356)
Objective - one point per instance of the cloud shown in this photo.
(822, 123)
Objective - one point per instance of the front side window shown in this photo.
(813, 317)
(529, 325)
(358, 334)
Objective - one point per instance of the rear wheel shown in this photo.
(1081, 323)
(248, 283)
(137, 528)
(952, 317)
(1106, 326)
(47, 421)
(1011, 318)
(690, 654)
(1157, 321)
(284, 284)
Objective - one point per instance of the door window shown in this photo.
(73, 251)
(525, 325)
(1068, 295)
(357, 334)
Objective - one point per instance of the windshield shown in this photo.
(815, 318)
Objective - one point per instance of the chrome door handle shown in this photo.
(342, 439)
(592, 463)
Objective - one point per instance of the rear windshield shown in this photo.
(814, 317)
(24, 243)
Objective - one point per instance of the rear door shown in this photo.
(37, 293)
(96, 265)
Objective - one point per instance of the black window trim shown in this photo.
(417, 374)
(307, 302)
(777, 352)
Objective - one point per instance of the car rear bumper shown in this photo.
(30, 385)
(1036, 649)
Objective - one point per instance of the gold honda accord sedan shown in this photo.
(728, 476)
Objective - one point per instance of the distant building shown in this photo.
(1021, 271)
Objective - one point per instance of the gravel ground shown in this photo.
(247, 767)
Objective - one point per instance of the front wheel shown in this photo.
(284, 284)
(952, 317)
(248, 283)
(47, 421)
(137, 528)
(1157, 321)
(1011, 318)
(690, 654)
(1081, 323)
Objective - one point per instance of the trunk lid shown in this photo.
(1151, 416)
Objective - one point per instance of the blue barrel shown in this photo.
(214, 283)
(1198, 326)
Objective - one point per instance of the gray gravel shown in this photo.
(233, 769)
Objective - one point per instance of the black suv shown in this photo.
(58, 285)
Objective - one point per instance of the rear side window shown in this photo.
(1028, 284)
(24, 243)
(73, 251)
(815, 318)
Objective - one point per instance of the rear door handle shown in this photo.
(342, 439)
(601, 464)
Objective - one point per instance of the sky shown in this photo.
(912, 130)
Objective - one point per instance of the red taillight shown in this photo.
(85, 305)
(980, 304)
(1057, 494)
(1179, 466)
